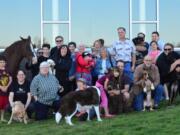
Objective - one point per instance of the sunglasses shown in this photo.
(59, 41)
(167, 49)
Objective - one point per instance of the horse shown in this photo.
(16, 52)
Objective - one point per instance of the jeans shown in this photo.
(158, 96)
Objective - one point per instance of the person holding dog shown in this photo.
(154, 78)
(20, 91)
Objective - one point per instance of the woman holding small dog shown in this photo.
(20, 91)
(5, 81)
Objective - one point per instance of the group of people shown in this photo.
(114, 71)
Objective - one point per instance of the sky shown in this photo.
(91, 20)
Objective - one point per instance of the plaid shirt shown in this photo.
(45, 88)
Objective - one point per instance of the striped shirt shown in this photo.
(45, 88)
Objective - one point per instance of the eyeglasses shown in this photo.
(167, 49)
(59, 41)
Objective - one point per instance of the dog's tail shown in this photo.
(58, 117)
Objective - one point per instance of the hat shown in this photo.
(81, 80)
(86, 54)
(44, 64)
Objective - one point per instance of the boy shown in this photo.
(5, 81)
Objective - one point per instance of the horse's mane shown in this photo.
(14, 46)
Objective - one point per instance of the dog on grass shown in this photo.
(18, 113)
(78, 101)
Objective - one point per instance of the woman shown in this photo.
(117, 87)
(63, 63)
(154, 52)
(103, 63)
(20, 91)
(44, 89)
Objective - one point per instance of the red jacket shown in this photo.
(83, 66)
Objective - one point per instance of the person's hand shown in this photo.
(71, 78)
(34, 60)
(4, 88)
(133, 68)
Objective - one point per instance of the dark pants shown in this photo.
(29, 110)
(41, 110)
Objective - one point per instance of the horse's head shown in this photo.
(27, 48)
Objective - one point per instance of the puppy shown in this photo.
(147, 88)
(78, 101)
(51, 66)
(18, 113)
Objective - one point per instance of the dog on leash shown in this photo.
(18, 113)
(148, 87)
(78, 101)
(51, 66)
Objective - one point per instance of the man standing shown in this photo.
(155, 37)
(59, 41)
(124, 50)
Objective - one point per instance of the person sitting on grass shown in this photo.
(44, 89)
(20, 91)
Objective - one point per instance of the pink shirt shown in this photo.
(154, 55)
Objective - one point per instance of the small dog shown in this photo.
(18, 113)
(78, 101)
(175, 84)
(147, 88)
(51, 66)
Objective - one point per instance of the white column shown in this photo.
(142, 15)
(130, 19)
(42, 22)
(55, 17)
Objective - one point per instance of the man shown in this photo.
(155, 37)
(59, 41)
(44, 89)
(154, 78)
(124, 50)
(72, 72)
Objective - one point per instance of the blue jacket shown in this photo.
(98, 66)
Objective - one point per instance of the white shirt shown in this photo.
(123, 50)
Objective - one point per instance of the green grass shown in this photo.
(165, 121)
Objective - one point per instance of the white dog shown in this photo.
(51, 66)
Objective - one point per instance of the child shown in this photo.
(5, 81)
(104, 101)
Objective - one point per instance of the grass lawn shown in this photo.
(165, 121)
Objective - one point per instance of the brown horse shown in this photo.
(16, 52)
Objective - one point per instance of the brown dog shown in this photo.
(147, 88)
(18, 113)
